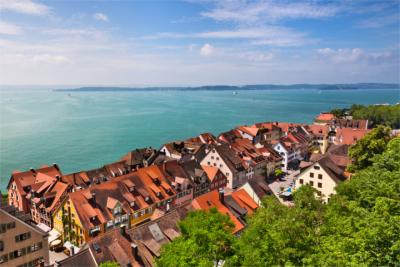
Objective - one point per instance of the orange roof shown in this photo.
(249, 130)
(211, 200)
(111, 202)
(244, 200)
(211, 171)
(325, 117)
(319, 129)
(349, 136)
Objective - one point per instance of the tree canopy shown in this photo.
(373, 143)
(206, 238)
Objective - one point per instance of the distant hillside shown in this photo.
(355, 86)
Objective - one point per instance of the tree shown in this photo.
(366, 148)
(279, 235)
(206, 238)
(378, 114)
(109, 264)
(278, 172)
(362, 222)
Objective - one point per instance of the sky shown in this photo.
(191, 43)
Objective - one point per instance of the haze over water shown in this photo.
(85, 130)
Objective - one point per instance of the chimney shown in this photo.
(221, 195)
(122, 230)
(94, 197)
(134, 248)
(33, 170)
(56, 166)
(72, 250)
(58, 178)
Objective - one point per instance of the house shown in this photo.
(179, 180)
(204, 138)
(20, 185)
(229, 136)
(46, 196)
(84, 257)
(199, 178)
(149, 237)
(321, 135)
(348, 136)
(289, 152)
(179, 149)
(139, 158)
(126, 200)
(216, 178)
(324, 175)
(236, 205)
(269, 131)
(21, 243)
(324, 118)
(249, 132)
(257, 189)
(350, 123)
(224, 158)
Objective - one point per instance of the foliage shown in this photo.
(339, 113)
(278, 172)
(109, 264)
(360, 226)
(206, 238)
(279, 235)
(373, 143)
(382, 114)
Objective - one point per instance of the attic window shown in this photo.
(146, 199)
(316, 167)
(133, 203)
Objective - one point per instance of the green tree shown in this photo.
(206, 239)
(279, 235)
(373, 143)
(109, 264)
(362, 222)
(278, 172)
(378, 114)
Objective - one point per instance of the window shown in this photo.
(311, 174)
(22, 237)
(220, 165)
(212, 157)
(217, 158)
(3, 258)
(215, 164)
(3, 228)
(110, 223)
(319, 185)
(311, 183)
(227, 174)
(1, 245)
(319, 176)
(208, 163)
(316, 167)
(301, 181)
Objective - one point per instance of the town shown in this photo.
(127, 210)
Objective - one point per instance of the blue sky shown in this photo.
(145, 43)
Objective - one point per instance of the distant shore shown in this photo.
(358, 86)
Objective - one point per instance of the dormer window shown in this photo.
(132, 189)
(117, 210)
(147, 199)
(133, 203)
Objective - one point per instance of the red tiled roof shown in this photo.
(211, 200)
(325, 117)
(349, 136)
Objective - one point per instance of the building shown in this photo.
(126, 200)
(21, 244)
(289, 151)
(236, 205)
(257, 189)
(149, 237)
(224, 158)
(350, 123)
(181, 149)
(20, 184)
(46, 196)
(216, 178)
(324, 175)
(321, 135)
(324, 118)
(139, 158)
(199, 178)
(348, 136)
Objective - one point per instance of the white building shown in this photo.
(324, 175)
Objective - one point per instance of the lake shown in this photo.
(85, 130)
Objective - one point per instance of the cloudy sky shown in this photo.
(143, 43)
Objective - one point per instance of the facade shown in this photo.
(226, 160)
(126, 200)
(257, 189)
(21, 244)
(288, 153)
(20, 184)
(216, 178)
(323, 175)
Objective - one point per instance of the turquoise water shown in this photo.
(86, 130)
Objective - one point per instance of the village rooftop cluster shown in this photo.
(126, 210)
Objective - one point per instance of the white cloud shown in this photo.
(377, 22)
(24, 6)
(268, 11)
(207, 50)
(342, 55)
(46, 58)
(100, 17)
(9, 29)
(92, 33)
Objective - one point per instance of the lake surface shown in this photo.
(85, 130)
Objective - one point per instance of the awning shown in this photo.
(55, 242)
(53, 235)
